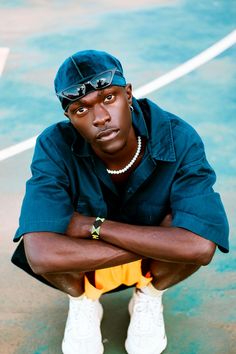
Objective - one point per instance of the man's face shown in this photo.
(103, 118)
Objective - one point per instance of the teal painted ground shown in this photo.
(148, 42)
(200, 313)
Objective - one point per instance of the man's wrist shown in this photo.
(95, 229)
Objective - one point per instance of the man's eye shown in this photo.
(81, 110)
(109, 98)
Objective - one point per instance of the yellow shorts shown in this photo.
(110, 278)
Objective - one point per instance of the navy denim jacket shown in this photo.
(174, 176)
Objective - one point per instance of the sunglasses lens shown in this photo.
(102, 80)
(98, 82)
(74, 92)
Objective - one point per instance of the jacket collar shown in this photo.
(159, 130)
(79, 146)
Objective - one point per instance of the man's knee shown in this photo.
(160, 268)
(70, 283)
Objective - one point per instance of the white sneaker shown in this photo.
(82, 332)
(146, 332)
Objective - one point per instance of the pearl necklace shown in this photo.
(123, 170)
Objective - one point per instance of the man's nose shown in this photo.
(101, 115)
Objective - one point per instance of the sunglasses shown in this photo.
(99, 81)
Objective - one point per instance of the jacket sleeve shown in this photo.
(195, 205)
(47, 204)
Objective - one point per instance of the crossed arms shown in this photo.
(119, 243)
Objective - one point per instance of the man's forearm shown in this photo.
(164, 242)
(56, 253)
(171, 244)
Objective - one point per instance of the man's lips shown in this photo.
(107, 134)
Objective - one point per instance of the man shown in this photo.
(120, 194)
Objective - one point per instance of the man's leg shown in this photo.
(70, 283)
(82, 330)
(167, 274)
(146, 332)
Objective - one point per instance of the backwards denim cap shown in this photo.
(83, 66)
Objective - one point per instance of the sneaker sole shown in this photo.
(130, 350)
(100, 349)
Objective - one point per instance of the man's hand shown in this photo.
(80, 226)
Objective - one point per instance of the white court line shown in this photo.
(17, 148)
(3, 58)
(189, 65)
(172, 75)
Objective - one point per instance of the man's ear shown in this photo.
(128, 90)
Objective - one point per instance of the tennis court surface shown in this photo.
(151, 38)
